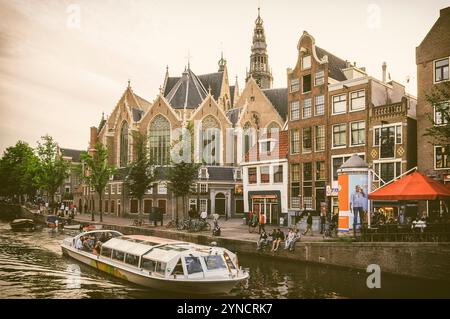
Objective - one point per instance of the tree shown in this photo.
(439, 132)
(141, 171)
(53, 169)
(19, 168)
(98, 172)
(182, 175)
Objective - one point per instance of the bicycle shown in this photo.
(201, 225)
(185, 224)
(171, 224)
(138, 222)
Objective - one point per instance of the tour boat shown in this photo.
(23, 224)
(160, 263)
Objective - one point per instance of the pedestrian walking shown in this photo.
(262, 222)
(323, 219)
(309, 221)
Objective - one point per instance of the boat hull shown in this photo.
(23, 225)
(191, 287)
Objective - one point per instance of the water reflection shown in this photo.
(32, 266)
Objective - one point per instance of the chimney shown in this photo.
(384, 66)
(93, 140)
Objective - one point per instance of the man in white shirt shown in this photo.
(79, 244)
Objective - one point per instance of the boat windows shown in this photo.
(228, 261)
(193, 265)
(160, 268)
(214, 262)
(106, 252)
(118, 255)
(148, 264)
(178, 270)
(132, 260)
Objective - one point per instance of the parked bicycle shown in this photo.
(185, 224)
(138, 222)
(201, 225)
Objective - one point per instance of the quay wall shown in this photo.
(421, 260)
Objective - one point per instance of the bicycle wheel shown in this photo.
(207, 226)
(180, 226)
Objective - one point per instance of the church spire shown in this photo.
(222, 63)
(259, 59)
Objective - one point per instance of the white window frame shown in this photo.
(307, 151)
(315, 105)
(434, 70)
(205, 186)
(295, 82)
(351, 100)
(434, 114)
(324, 138)
(332, 103)
(332, 136)
(322, 77)
(291, 149)
(350, 134)
(401, 134)
(297, 104)
(162, 188)
(306, 58)
(434, 159)
(389, 161)
(310, 108)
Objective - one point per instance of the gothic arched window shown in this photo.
(159, 134)
(124, 145)
(210, 144)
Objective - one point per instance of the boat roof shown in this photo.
(155, 248)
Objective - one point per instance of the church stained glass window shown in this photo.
(159, 135)
(210, 141)
(124, 145)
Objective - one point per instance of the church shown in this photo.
(208, 100)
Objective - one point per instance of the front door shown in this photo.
(162, 205)
(220, 204)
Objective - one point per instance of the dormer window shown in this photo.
(203, 173)
(237, 174)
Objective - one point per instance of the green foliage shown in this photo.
(141, 171)
(98, 171)
(440, 132)
(19, 169)
(53, 169)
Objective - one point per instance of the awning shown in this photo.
(415, 186)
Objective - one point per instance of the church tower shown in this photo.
(259, 60)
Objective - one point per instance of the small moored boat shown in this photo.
(23, 224)
(158, 263)
(73, 227)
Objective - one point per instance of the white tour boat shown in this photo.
(158, 263)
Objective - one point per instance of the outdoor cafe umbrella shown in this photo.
(415, 186)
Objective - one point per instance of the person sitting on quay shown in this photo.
(289, 238)
(279, 237)
(297, 237)
(262, 241)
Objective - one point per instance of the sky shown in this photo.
(63, 63)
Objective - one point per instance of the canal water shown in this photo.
(32, 266)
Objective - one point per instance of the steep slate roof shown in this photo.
(188, 92)
(279, 99)
(335, 64)
(213, 80)
(170, 84)
(73, 154)
(232, 94)
(280, 150)
(233, 115)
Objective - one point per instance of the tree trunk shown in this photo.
(176, 209)
(184, 206)
(101, 206)
(92, 209)
(141, 206)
